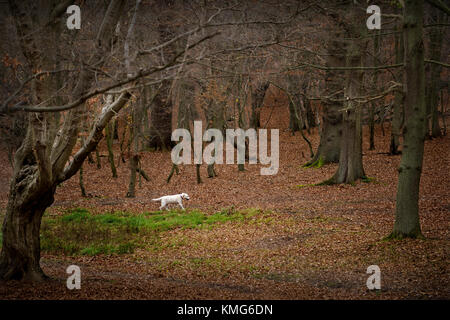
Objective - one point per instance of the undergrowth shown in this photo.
(79, 232)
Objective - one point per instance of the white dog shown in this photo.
(177, 198)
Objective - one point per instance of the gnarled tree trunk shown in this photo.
(29, 195)
(41, 163)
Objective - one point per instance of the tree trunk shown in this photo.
(29, 196)
(295, 120)
(197, 173)
(109, 143)
(444, 125)
(172, 171)
(258, 94)
(435, 47)
(134, 141)
(350, 160)
(121, 158)
(211, 171)
(309, 114)
(161, 120)
(407, 223)
(397, 120)
(116, 129)
(82, 188)
(42, 161)
(134, 161)
(331, 134)
(21, 243)
(372, 106)
(97, 156)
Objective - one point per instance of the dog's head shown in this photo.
(185, 196)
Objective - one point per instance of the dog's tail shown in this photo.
(156, 199)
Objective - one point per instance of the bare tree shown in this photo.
(40, 162)
(407, 223)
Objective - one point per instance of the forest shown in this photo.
(304, 142)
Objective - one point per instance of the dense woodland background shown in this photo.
(86, 118)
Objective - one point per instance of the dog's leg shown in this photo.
(163, 205)
(181, 204)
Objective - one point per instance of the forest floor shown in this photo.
(271, 240)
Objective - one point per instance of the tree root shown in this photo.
(315, 164)
(398, 235)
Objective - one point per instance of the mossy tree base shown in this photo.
(211, 171)
(398, 235)
(318, 163)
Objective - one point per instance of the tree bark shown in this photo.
(97, 156)
(109, 143)
(21, 251)
(30, 193)
(331, 134)
(258, 94)
(295, 120)
(435, 47)
(136, 112)
(133, 168)
(350, 159)
(82, 188)
(161, 120)
(41, 163)
(134, 142)
(407, 223)
(376, 54)
(397, 120)
(309, 114)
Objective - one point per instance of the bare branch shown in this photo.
(95, 136)
(83, 98)
(440, 5)
(443, 64)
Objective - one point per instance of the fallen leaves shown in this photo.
(311, 242)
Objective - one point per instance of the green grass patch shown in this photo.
(369, 179)
(79, 232)
(305, 185)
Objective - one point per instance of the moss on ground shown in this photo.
(79, 232)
